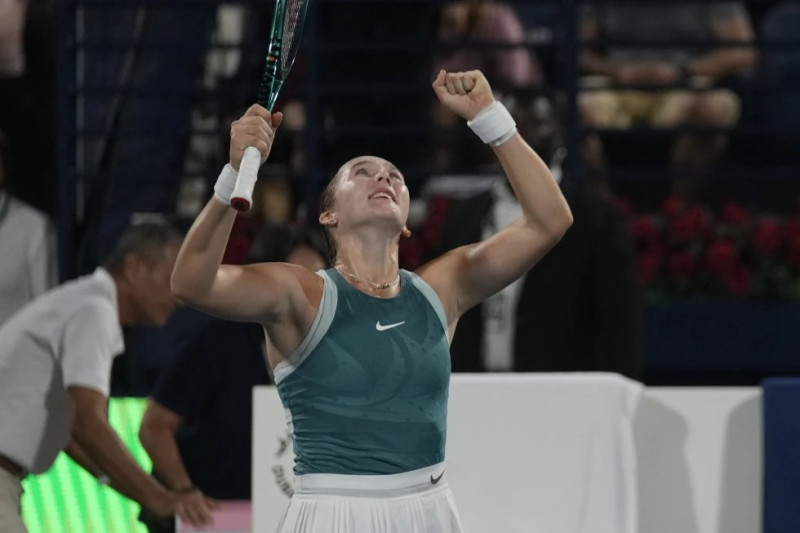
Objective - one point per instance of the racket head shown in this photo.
(285, 35)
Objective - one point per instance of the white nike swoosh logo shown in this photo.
(379, 327)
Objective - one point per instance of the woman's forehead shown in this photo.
(369, 160)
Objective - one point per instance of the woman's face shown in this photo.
(371, 190)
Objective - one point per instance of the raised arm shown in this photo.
(256, 293)
(468, 275)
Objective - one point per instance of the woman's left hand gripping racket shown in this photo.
(287, 27)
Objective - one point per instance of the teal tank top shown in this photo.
(366, 391)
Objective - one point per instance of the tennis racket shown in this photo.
(287, 27)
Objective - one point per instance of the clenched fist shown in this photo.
(256, 128)
(463, 93)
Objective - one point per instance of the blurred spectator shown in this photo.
(465, 209)
(612, 60)
(27, 248)
(576, 311)
(26, 82)
(12, 29)
(204, 394)
(291, 244)
(471, 30)
(487, 35)
(207, 392)
(578, 307)
(266, 231)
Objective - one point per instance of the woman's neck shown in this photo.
(375, 262)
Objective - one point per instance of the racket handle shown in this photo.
(242, 196)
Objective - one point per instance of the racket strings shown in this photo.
(294, 9)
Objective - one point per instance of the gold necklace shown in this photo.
(373, 286)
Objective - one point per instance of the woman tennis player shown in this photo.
(360, 352)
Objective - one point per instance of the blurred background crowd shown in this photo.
(672, 128)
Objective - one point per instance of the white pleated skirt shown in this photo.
(419, 501)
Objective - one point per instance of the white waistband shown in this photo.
(373, 485)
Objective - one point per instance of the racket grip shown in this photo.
(242, 196)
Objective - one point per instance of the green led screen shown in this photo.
(67, 499)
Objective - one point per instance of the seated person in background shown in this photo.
(207, 392)
(290, 244)
(55, 372)
(666, 66)
(26, 79)
(12, 31)
(578, 308)
(466, 26)
(475, 22)
(27, 248)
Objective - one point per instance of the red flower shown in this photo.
(643, 230)
(767, 237)
(672, 205)
(721, 257)
(647, 265)
(738, 280)
(734, 213)
(691, 224)
(681, 265)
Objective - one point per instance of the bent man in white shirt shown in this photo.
(55, 363)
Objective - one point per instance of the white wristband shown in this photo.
(226, 181)
(493, 124)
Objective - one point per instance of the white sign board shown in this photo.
(525, 453)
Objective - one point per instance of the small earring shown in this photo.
(405, 232)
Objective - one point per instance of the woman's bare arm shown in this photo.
(256, 293)
(469, 274)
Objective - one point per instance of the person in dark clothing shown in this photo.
(198, 425)
(578, 309)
